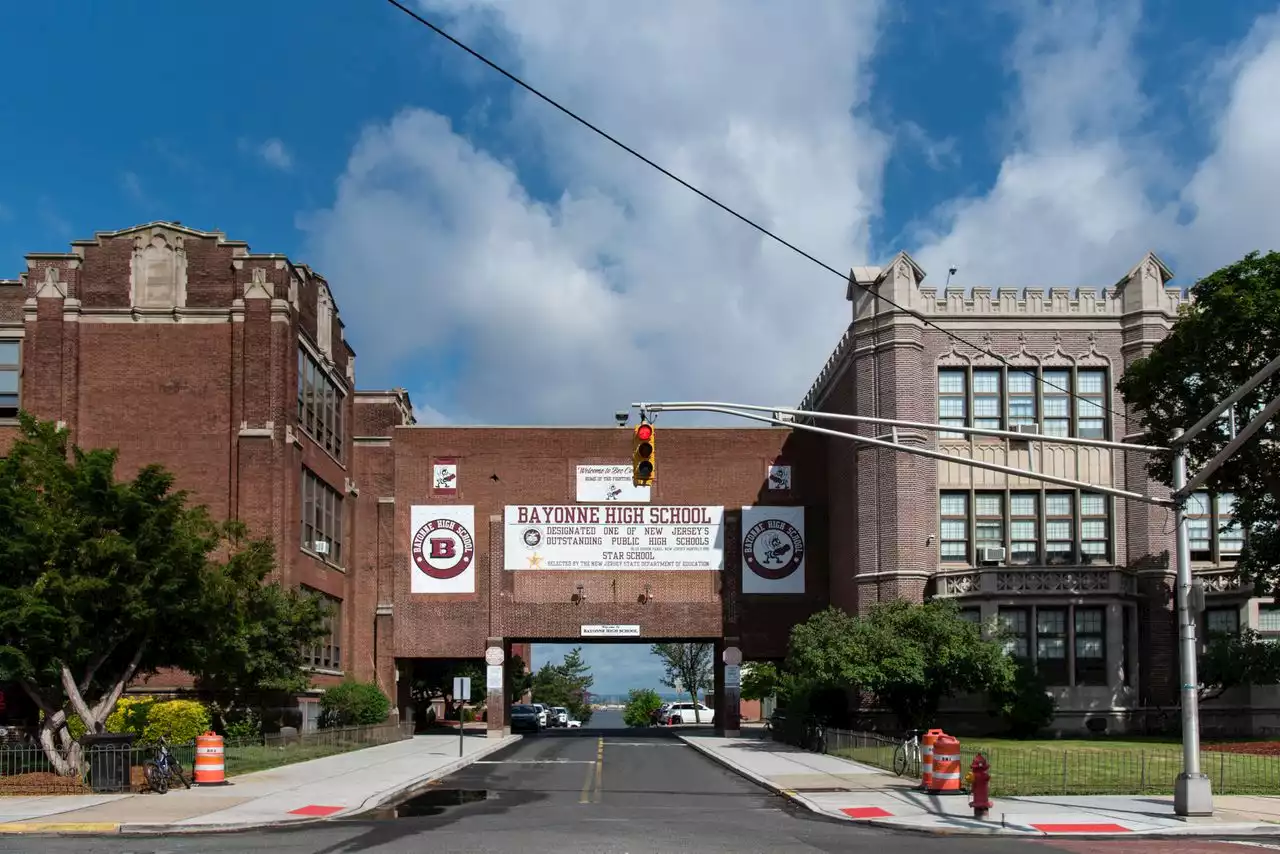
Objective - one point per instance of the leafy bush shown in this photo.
(246, 725)
(74, 725)
(641, 704)
(130, 714)
(353, 704)
(1028, 706)
(177, 721)
(468, 715)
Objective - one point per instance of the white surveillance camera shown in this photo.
(622, 415)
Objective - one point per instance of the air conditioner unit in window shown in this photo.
(991, 554)
(1032, 428)
(322, 547)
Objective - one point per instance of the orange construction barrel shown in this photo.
(210, 760)
(926, 757)
(946, 765)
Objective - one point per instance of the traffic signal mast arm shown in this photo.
(756, 413)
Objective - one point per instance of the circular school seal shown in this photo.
(443, 549)
(773, 549)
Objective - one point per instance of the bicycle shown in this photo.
(907, 754)
(163, 768)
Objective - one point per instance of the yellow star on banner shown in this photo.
(535, 561)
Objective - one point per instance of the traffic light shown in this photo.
(642, 468)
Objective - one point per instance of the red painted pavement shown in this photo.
(1081, 828)
(316, 810)
(866, 812)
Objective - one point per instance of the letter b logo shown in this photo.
(442, 548)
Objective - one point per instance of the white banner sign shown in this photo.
(493, 677)
(614, 536)
(610, 483)
(610, 631)
(733, 676)
(442, 552)
(773, 550)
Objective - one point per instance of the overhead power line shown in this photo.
(752, 223)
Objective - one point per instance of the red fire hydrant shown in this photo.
(980, 770)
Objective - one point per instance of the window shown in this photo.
(1059, 528)
(1024, 522)
(1022, 398)
(1051, 644)
(1076, 526)
(1091, 646)
(321, 519)
(986, 400)
(1095, 527)
(972, 615)
(1211, 527)
(1057, 403)
(952, 402)
(1063, 401)
(1091, 406)
(327, 652)
(319, 404)
(10, 378)
(1013, 626)
(955, 527)
(1221, 621)
(988, 508)
(1269, 623)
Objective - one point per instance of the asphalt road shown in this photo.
(590, 791)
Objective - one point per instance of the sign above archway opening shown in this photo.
(613, 537)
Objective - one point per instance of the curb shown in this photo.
(1194, 832)
(17, 828)
(372, 802)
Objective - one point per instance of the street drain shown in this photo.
(436, 801)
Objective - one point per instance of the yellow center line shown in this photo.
(594, 771)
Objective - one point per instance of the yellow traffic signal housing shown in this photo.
(643, 472)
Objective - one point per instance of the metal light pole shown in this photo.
(1192, 791)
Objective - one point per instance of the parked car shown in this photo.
(575, 724)
(659, 715)
(561, 715)
(684, 713)
(525, 718)
(542, 714)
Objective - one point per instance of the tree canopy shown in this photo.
(909, 656)
(566, 684)
(105, 580)
(1226, 335)
(687, 668)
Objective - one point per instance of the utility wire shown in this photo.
(752, 223)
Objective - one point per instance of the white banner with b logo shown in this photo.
(442, 554)
(773, 550)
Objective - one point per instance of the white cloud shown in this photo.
(1089, 183)
(272, 152)
(937, 153)
(624, 285)
(132, 186)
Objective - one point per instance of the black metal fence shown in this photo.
(26, 770)
(1042, 769)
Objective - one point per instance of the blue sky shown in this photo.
(506, 266)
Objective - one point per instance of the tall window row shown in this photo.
(326, 653)
(1053, 527)
(1063, 401)
(1212, 528)
(1066, 644)
(319, 404)
(321, 519)
(10, 378)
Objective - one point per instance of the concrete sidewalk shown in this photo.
(851, 791)
(330, 787)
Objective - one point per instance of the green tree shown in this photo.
(759, 680)
(909, 656)
(1240, 658)
(518, 677)
(566, 684)
(641, 704)
(1220, 340)
(687, 668)
(106, 580)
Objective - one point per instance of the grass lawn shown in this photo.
(1094, 766)
(257, 757)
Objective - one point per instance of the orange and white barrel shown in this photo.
(946, 765)
(210, 760)
(926, 757)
